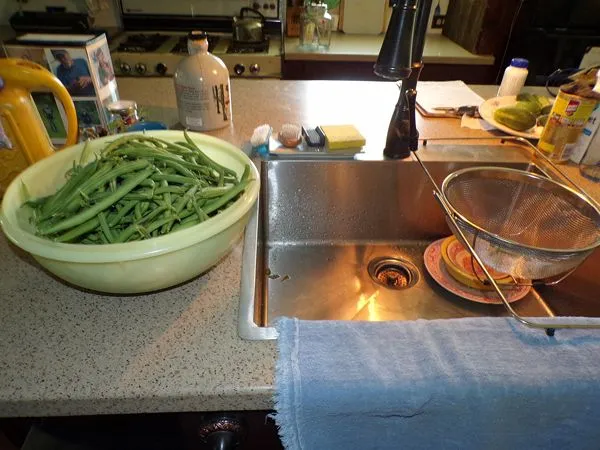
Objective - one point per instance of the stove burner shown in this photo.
(248, 47)
(181, 46)
(141, 43)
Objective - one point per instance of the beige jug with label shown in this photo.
(202, 87)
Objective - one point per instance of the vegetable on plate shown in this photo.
(528, 111)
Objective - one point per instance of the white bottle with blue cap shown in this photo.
(514, 77)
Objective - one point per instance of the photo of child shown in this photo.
(103, 66)
(71, 68)
(50, 114)
(87, 113)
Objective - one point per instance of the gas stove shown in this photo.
(147, 54)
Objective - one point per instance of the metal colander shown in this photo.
(522, 223)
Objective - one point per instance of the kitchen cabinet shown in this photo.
(175, 431)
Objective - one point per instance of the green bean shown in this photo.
(148, 182)
(225, 198)
(187, 223)
(58, 199)
(212, 192)
(204, 157)
(80, 230)
(145, 206)
(202, 216)
(137, 211)
(137, 188)
(180, 204)
(172, 161)
(168, 203)
(152, 214)
(139, 196)
(87, 214)
(179, 179)
(122, 212)
(132, 229)
(103, 176)
(105, 228)
(120, 141)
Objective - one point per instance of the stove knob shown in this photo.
(239, 69)
(140, 68)
(125, 68)
(254, 68)
(256, 5)
(161, 68)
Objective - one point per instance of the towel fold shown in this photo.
(482, 383)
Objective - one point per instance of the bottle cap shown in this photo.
(519, 62)
(197, 35)
(197, 42)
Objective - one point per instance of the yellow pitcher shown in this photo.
(26, 139)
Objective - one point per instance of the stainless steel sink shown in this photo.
(338, 240)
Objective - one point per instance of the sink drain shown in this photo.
(393, 273)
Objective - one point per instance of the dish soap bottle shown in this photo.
(202, 87)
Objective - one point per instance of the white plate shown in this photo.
(487, 108)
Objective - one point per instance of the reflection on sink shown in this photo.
(319, 224)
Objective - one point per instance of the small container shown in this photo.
(514, 77)
(315, 27)
(566, 121)
(124, 113)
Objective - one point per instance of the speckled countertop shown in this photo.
(68, 352)
(357, 47)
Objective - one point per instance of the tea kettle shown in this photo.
(247, 29)
(23, 136)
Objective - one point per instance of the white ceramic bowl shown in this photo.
(132, 267)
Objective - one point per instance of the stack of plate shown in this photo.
(453, 268)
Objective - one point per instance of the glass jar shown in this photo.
(315, 27)
(124, 113)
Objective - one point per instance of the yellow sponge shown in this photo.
(342, 136)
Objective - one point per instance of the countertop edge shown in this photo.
(256, 399)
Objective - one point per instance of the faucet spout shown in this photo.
(403, 136)
(400, 58)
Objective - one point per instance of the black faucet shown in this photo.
(400, 58)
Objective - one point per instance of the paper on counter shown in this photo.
(474, 123)
(445, 94)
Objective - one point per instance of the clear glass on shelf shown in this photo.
(315, 27)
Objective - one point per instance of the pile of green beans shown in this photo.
(138, 187)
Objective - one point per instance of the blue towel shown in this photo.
(483, 383)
